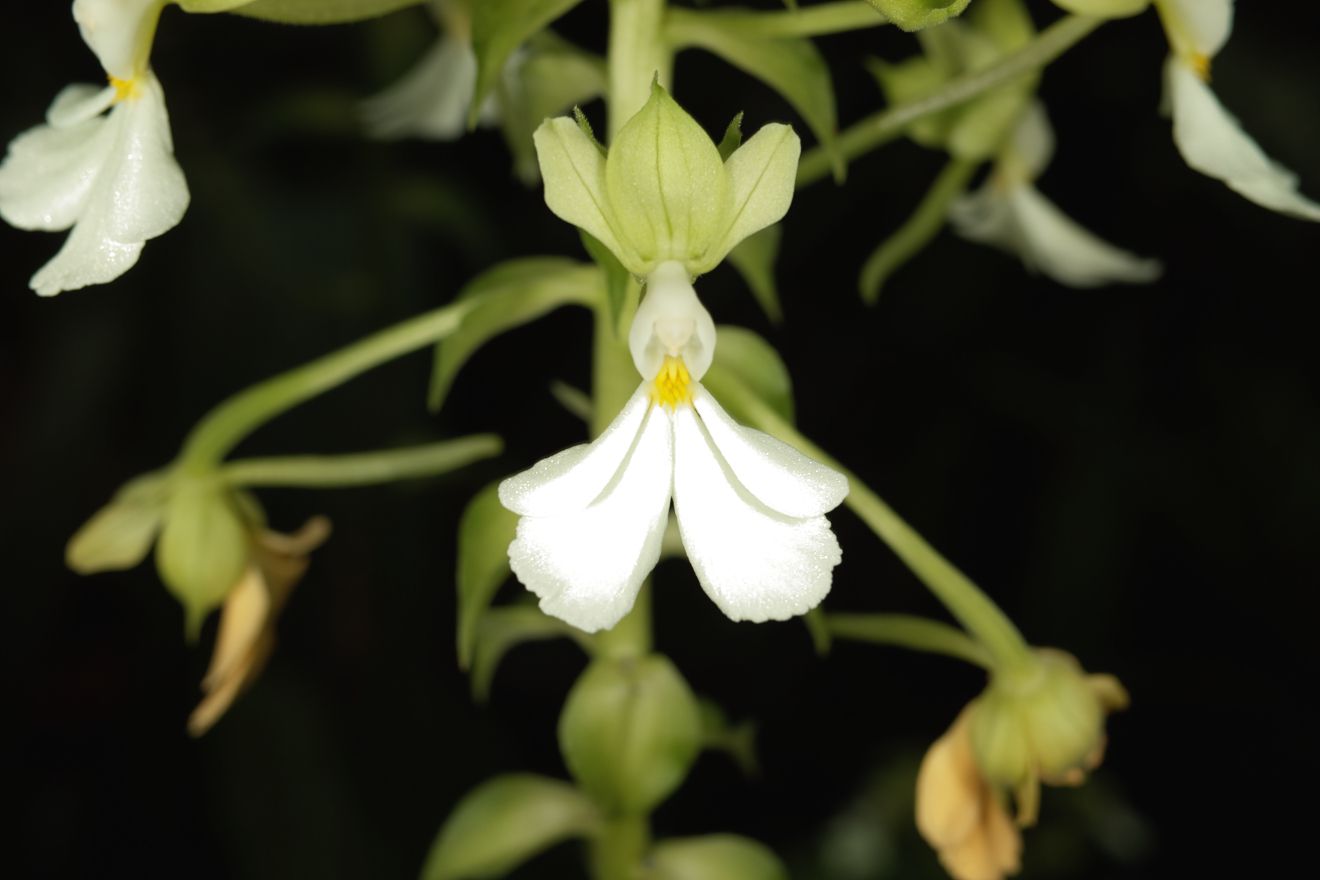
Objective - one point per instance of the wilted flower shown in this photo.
(750, 509)
(110, 176)
(1208, 136)
(432, 100)
(1009, 213)
(246, 636)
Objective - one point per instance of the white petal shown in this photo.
(587, 565)
(78, 103)
(1213, 142)
(1032, 141)
(137, 193)
(671, 321)
(431, 100)
(49, 172)
(571, 480)
(1197, 27)
(779, 476)
(754, 563)
(1022, 221)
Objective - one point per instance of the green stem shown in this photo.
(918, 230)
(810, 21)
(908, 631)
(225, 426)
(637, 55)
(972, 607)
(880, 128)
(620, 847)
(364, 468)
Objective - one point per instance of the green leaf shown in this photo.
(732, 139)
(617, 279)
(301, 11)
(913, 15)
(819, 630)
(504, 822)
(738, 741)
(714, 857)
(498, 28)
(484, 535)
(119, 535)
(754, 362)
(792, 66)
(506, 297)
(502, 629)
(755, 259)
(575, 400)
(552, 77)
(630, 732)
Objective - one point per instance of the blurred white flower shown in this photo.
(1208, 136)
(1009, 213)
(432, 99)
(750, 509)
(110, 176)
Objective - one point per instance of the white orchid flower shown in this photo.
(750, 509)
(1207, 135)
(433, 98)
(1009, 213)
(110, 176)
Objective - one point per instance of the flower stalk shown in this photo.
(908, 631)
(363, 468)
(882, 127)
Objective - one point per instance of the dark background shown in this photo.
(1134, 473)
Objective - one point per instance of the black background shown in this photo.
(1134, 473)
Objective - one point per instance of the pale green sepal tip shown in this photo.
(1104, 8)
(119, 535)
(913, 15)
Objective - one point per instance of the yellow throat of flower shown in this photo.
(124, 88)
(673, 384)
(1200, 65)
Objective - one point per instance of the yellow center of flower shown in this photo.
(1200, 66)
(673, 384)
(124, 88)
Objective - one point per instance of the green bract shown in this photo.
(663, 193)
(913, 15)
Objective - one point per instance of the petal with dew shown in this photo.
(587, 565)
(1213, 143)
(754, 563)
(571, 480)
(779, 476)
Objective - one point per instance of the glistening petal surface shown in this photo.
(1213, 142)
(587, 565)
(571, 480)
(779, 476)
(754, 563)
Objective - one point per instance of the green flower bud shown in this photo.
(630, 730)
(663, 193)
(203, 549)
(913, 15)
(1046, 723)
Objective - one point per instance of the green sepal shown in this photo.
(732, 139)
(203, 549)
(504, 822)
(120, 535)
(501, 629)
(754, 259)
(714, 857)
(913, 15)
(630, 731)
(301, 11)
(745, 356)
(553, 77)
(792, 66)
(1104, 8)
(484, 534)
(505, 297)
(498, 28)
